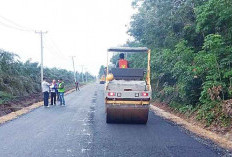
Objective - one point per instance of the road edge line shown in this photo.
(218, 139)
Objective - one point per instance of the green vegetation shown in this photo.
(191, 42)
(23, 79)
(101, 71)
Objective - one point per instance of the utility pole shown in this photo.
(41, 38)
(74, 72)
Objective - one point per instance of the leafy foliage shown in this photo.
(22, 79)
(191, 42)
(101, 71)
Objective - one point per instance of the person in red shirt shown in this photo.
(122, 63)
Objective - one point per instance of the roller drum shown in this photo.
(137, 114)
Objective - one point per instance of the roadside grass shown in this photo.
(211, 114)
(4, 97)
(183, 109)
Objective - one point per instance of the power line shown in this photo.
(47, 47)
(19, 27)
(52, 49)
(57, 48)
(13, 25)
(55, 53)
(9, 26)
(16, 26)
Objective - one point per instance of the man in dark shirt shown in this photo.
(77, 85)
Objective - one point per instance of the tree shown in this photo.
(191, 59)
(22, 79)
(101, 71)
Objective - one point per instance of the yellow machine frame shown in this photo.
(148, 81)
(148, 77)
(128, 110)
(128, 102)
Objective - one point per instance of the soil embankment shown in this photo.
(23, 107)
(19, 103)
(25, 101)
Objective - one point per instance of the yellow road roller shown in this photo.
(128, 90)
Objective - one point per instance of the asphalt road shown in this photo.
(79, 129)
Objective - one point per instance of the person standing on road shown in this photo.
(77, 85)
(61, 90)
(57, 92)
(53, 88)
(45, 90)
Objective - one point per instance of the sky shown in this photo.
(81, 28)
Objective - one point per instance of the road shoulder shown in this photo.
(14, 115)
(220, 140)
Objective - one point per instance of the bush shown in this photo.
(4, 97)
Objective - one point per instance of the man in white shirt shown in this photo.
(45, 90)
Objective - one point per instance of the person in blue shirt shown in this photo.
(53, 89)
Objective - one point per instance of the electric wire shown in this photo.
(57, 48)
(52, 48)
(16, 26)
(53, 51)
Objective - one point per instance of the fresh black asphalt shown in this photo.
(79, 129)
